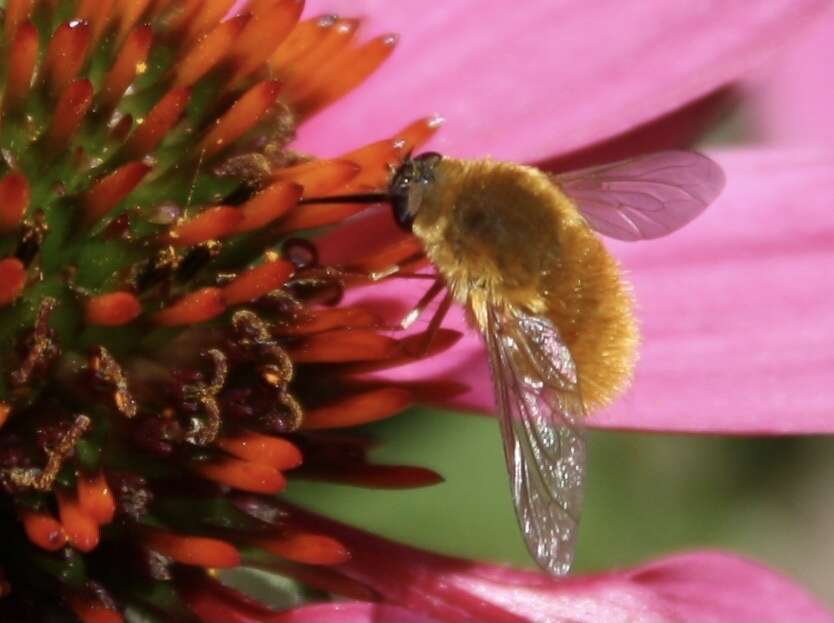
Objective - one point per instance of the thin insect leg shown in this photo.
(420, 307)
(394, 270)
(385, 274)
(418, 276)
(390, 272)
(434, 326)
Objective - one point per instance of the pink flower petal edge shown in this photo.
(214, 602)
(352, 612)
(553, 77)
(791, 99)
(705, 586)
(735, 309)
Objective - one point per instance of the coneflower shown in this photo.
(176, 344)
(170, 346)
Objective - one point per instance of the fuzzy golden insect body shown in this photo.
(504, 234)
(519, 249)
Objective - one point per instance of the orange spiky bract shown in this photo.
(171, 354)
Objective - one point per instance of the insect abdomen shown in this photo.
(591, 306)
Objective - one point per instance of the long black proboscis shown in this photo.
(357, 198)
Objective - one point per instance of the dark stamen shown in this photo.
(43, 479)
(106, 371)
(255, 342)
(31, 239)
(39, 348)
(204, 432)
(319, 285)
(254, 335)
(155, 270)
(196, 259)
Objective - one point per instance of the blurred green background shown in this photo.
(647, 496)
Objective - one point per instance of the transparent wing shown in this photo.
(645, 197)
(540, 411)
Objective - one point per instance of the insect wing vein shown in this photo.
(540, 410)
(645, 197)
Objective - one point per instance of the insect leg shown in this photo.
(434, 326)
(420, 307)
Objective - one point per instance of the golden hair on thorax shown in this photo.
(504, 234)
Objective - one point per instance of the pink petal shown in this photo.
(352, 613)
(735, 310)
(675, 130)
(708, 587)
(792, 98)
(555, 76)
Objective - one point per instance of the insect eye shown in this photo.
(402, 180)
(429, 159)
(402, 214)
